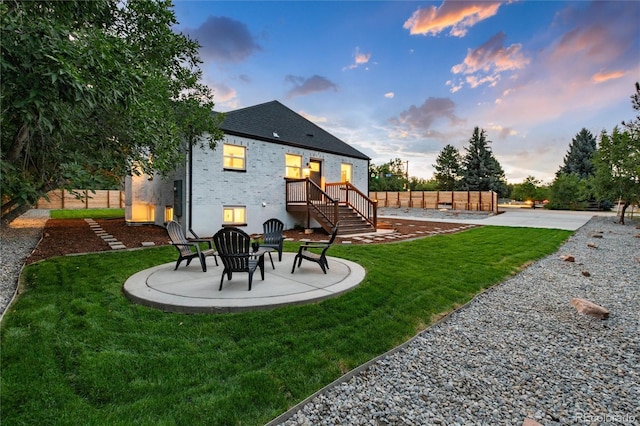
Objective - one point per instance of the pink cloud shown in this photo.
(601, 77)
(492, 56)
(359, 59)
(459, 16)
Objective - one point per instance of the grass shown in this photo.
(76, 351)
(87, 213)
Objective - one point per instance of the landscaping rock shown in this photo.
(568, 258)
(586, 307)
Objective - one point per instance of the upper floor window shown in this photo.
(346, 172)
(293, 166)
(234, 215)
(234, 157)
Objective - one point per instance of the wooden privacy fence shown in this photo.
(82, 199)
(456, 200)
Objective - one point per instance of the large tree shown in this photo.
(617, 161)
(447, 168)
(480, 169)
(579, 158)
(92, 91)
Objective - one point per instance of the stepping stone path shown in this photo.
(395, 235)
(109, 239)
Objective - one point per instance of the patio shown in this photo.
(189, 290)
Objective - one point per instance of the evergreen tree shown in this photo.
(480, 170)
(447, 167)
(580, 155)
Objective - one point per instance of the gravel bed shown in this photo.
(517, 351)
(19, 239)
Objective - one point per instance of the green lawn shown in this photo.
(87, 213)
(76, 351)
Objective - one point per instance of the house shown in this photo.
(272, 163)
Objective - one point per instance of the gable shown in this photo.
(274, 122)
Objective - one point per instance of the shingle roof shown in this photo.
(274, 122)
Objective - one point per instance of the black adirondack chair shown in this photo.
(189, 249)
(319, 258)
(273, 238)
(234, 248)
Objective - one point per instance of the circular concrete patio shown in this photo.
(189, 290)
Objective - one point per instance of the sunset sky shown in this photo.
(401, 79)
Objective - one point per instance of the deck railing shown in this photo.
(348, 194)
(323, 204)
(320, 205)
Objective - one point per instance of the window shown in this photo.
(293, 164)
(234, 215)
(234, 157)
(346, 171)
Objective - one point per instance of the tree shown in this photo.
(480, 170)
(447, 168)
(579, 157)
(92, 91)
(568, 191)
(617, 161)
(389, 176)
(419, 184)
(618, 168)
(527, 190)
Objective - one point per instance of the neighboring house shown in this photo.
(271, 163)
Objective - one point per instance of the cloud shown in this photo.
(224, 40)
(485, 64)
(423, 118)
(601, 77)
(359, 59)
(389, 95)
(584, 67)
(457, 15)
(223, 93)
(313, 118)
(310, 85)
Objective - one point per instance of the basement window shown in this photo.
(234, 215)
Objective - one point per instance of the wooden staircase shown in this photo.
(350, 222)
(341, 203)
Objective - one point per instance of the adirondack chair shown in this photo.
(234, 249)
(319, 258)
(189, 249)
(273, 238)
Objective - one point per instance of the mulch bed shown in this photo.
(73, 236)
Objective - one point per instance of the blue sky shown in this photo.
(402, 79)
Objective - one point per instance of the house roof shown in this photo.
(274, 122)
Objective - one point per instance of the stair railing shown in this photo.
(351, 196)
(320, 205)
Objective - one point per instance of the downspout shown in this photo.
(190, 191)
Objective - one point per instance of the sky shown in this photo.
(403, 79)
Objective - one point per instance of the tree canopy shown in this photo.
(92, 91)
(618, 161)
(579, 157)
(390, 176)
